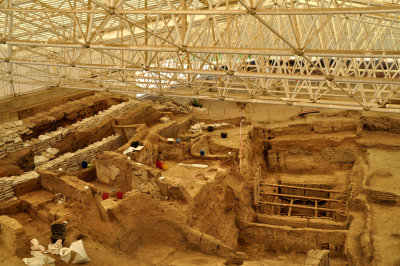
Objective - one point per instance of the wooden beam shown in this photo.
(301, 197)
(316, 209)
(305, 188)
(301, 207)
(290, 208)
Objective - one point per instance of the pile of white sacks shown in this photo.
(39, 258)
(48, 154)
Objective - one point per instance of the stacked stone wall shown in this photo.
(10, 140)
(72, 161)
(8, 184)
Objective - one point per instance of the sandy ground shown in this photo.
(380, 139)
(385, 176)
(165, 256)
(233, 138)
(192, 179)
(337, 179)
(386, 234)
(386, 170)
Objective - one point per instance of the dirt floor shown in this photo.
(387, 170)
(267, 194)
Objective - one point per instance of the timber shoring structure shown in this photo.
(275, 199)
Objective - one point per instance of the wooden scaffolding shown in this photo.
(300, 197)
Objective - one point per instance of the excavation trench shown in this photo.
(291, 195)
(216, 201)
(67, 114)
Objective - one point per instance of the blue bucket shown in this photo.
(84, 164)
(202, 152)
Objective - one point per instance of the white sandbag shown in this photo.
(38, 259)
(55, 248)
(36, 246)
(65, 254)
(33, 261)
(81, 256)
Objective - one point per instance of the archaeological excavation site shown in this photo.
(200, 132)
(160, 182)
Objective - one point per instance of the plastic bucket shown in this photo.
(84, 164)
(202, 152)
(164, 166)
(120, 194)
(105, 195)
(57, 232)
(159, 164)
(224, 135)
(178, 140)
(135, 144)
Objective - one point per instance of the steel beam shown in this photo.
(221, 12)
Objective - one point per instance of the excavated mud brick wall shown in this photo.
(13, 237)
(272, 237)
(44, 141)
(8, 184)
(72, 161)
(10, 140)
(377, 122)
(6, 188)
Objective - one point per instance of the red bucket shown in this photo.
(120, 194)
(105, 195)
(159, 164)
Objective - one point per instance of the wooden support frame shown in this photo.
(301, 188)
(304, 197)
(302, 207)
(277, 200)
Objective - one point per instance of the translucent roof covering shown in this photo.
(339, 54)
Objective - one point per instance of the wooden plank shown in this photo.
(125, 126)
(302, 207)
(301, 197)
(316, 209)
(279, 207)
(256, 193)
(290, 208)
(305, 188)
(276, 199)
